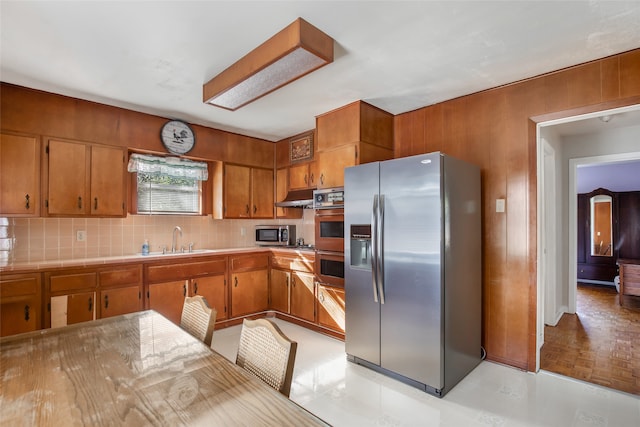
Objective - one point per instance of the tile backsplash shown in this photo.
(50, 239)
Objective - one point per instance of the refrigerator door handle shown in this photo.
(374, 249)
(380, 254)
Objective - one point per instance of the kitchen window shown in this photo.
(168, 185)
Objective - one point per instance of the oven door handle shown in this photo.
(374, 247)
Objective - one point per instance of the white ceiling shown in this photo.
(154, 57)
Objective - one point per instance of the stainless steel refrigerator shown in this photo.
(413, 269)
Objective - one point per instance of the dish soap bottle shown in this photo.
(145, 247)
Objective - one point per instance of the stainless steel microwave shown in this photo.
(275, 235)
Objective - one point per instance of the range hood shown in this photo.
(297, 199)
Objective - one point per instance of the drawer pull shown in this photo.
(27, 205)
(26, 313)
(106, 301)
(79, 202)
(95, 204)
(235, 281)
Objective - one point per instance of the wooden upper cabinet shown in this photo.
(331, 165)
(67, 178)
(351, 135)
(19, 175)
(282, 188)
(248, 192)
(85, 179)
(303, 176)
(108, 187)
(355, 122)
(262, 193)
(237, 191)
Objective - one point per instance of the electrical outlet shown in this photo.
(500, 205)
(81, 235)
(243, 232)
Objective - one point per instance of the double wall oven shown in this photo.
(329, 235)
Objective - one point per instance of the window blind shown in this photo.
(167, 185)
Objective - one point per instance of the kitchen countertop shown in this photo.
(33, 266)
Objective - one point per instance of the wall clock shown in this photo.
(177, 137)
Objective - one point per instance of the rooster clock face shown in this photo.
(177, 137)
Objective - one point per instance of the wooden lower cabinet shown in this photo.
(70, 296)
(72, 308)
(83, 294)
(279, 290)
(168, 283)
(119, 290)
(303, 296)
(214, 290)
(114, 302)
(20, 303)
(167, 298)
(331, 305)
(249, 292)
(293, 284)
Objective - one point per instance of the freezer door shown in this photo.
(362, 311)
(411, 316)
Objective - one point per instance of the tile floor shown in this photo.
(344, 394)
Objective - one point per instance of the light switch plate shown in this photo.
(500, 203)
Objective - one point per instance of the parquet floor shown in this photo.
(600, 343)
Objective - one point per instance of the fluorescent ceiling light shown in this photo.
(290, 54)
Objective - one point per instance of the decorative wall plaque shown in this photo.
(301, 149)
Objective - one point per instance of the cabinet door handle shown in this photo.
(26, 313)
(184, 290)
(95, 204)
(312, 179)
(27, 205)
(255, 209)
(195, 287)
(235, 281)
(293, 281)
(79, 202)
(247, 210)
(321, 179)
(106, 301)
(305, 178)
(321, 297)
(90, 304)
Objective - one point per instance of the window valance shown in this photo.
(169, 166)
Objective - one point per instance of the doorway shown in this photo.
(557, 293)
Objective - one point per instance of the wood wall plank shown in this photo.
(29, 110)
(496, 129)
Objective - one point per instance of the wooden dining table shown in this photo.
(136, 369)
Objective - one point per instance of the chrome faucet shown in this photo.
(173, 242)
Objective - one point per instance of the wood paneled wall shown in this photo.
(41, 113)
(496, 129)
